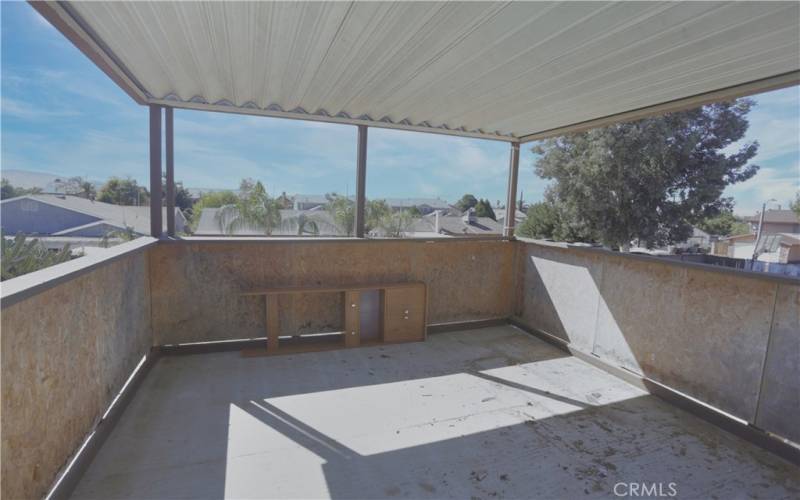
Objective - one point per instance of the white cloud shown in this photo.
(27, 111)
(768, 183)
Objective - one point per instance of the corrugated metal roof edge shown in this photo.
(321, 115)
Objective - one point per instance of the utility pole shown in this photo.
(758, 232)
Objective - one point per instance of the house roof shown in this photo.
(116, 215)
(513, 71)
(500, 213)
(790, 239)
(434, 203)
(776, 216)
(455, 225)
(320, 199)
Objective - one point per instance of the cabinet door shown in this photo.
(352, 325)
(404, 314)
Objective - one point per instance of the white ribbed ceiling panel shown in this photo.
(497, 70)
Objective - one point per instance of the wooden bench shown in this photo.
(373, 314)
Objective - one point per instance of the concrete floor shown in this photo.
(473, 414)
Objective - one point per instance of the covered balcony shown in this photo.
(155, 370)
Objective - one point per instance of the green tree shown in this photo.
(286, 202)
(22, 256)
(415, 212)
(302, 224)
(795, 205)
(376, 212)
(122, 235)
(650, 179)
(484, 209)
(183, 198)
(76, 186)
(7, 190)
(724, 224)
(542, 221)
(214, 199)
(396, 224)
(123, 192)
(343, 213)
(86, 190)
(466, 202)
(253, 210)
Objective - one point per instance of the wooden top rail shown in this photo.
(331, 288)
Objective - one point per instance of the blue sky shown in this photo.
(62, 115)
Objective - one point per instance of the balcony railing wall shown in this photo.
(196, 285)
(66, 352)
(727, 338)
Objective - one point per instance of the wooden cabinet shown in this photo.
(404, 313)
(352, 319)
(377, 313)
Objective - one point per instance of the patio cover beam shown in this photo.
(361, 179)
(156, 227)
(169, 140)
(511, 200)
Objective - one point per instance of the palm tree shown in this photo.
(395, 225)
(302, 224)
(21, 256)
(123, 235)
(254, 210)
(343, 213)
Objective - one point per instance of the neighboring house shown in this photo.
(781, 248)
(500, 214)
(775, 221)
(468, 224)
(310, 201)
(739, 246)
(424, 205)
(71, 216)
(196, 193)
(698, 240)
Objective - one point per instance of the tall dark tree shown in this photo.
(75, 186)
(183, 198)
(7, 190)
(795, 205)
(542, 221)
(653, 178)
(466, 202)
(724, 224)
(484, 209)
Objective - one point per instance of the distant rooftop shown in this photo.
(120, 216)
(776, 216)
